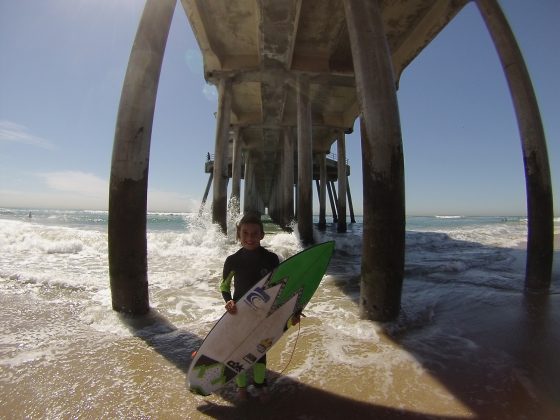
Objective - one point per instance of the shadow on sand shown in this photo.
(291, 400)
(166, 339)
(525, 329)
(294, 400)
(517, 330)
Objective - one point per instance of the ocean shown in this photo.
(468, 342)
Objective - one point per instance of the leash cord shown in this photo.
(293, 350)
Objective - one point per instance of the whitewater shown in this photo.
(469, 343)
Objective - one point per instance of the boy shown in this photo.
(246, 267)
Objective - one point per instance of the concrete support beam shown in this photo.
(273, 207)
(219, 198)
(350, 205)
(236, 162)
(322, 158)
(335, 197)
(249, 181)
(305, 162)
(540, 239)
(287, 174)
(342, 181)
(251, 201)
(206, 191)
(383, 163)
(332, 201)
(128, 191)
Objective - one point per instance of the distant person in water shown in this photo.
(246, 267)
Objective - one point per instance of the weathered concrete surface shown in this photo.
(382, 163)
(351, 68)
(219, 204)
(342, 180)
(128, 254)
(305, 163)
(540, 210)
(129, 167)
(264, 45)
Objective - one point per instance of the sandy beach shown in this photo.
(460, 350)
(473, 384)
(449, 388)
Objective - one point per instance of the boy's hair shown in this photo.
(250, 218)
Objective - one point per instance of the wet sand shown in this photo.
(145, 377)
(506, 366)
(477, 383)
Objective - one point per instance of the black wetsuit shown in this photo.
(246, 268)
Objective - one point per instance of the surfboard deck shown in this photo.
(237, 341)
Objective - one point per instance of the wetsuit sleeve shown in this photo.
(225, 287)
(225, 284)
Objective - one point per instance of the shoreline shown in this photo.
(555, 246)
(469, 344)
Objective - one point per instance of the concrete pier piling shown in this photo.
(236, 166)
(342, 180)
(287, 202)
(540, 239)
(128, 188)
(382, 164)
(305, 162)
(322, 161)
(219, 198)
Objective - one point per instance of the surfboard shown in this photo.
(237, 341)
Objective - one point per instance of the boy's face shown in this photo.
(250, 236)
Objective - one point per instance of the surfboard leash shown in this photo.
(294, 347)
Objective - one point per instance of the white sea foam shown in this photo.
(59, 261)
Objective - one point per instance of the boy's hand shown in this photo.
(296, 318)
(231, 307)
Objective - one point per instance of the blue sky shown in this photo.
(63, 63)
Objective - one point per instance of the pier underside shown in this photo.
(264, 48)
(293, 77)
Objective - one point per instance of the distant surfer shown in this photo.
(246, 267)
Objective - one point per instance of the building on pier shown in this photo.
(325, 177)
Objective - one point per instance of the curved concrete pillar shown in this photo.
(236, 162)
(383, 163)
(287, 174)
(252, 203)
(350, 205)
(129, 167)
(322, 158)
(540, 239)
(334, 211)
(305, 162)
(219, 193)
(342, 181)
